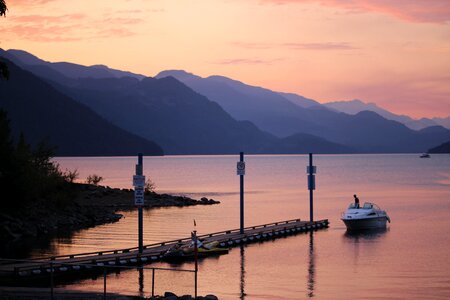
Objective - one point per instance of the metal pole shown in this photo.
(311, 187)
(153, 282)
(196, 263)
(104, 283)
(139, 171)
(241, 231)
(51, 281)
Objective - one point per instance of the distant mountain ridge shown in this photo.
(266, 109)
(178, 117)
(167, 111)
(365, 131)
(355, 106)
(443, 148)
(41, 112)
(23, 58)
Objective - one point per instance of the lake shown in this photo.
(410, 260)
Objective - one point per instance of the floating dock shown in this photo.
(85, 262)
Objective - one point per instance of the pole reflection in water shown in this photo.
(311, 266)
(242, 272)
(141, 282)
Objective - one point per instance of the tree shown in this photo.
(94, 179)
(4, 72)
(3, 8)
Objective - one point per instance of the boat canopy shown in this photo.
(367, 205)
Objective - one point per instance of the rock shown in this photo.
(186, 297)
(169, 294)
(211, 297)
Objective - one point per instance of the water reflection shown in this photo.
(365, 235)
(141, 282)
(311, 266)
(242, 273)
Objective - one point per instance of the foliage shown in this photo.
(94, 179)
(29, 175)
(149, 186)
(71, 176)
(3, 8)
(4, 72)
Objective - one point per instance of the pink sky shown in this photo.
(393, 53)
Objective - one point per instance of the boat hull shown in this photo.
(366, 223)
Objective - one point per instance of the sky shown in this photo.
(392, 53)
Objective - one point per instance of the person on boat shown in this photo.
(356, 201)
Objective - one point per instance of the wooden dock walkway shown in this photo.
(59, 265)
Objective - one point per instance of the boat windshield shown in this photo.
(370, 206)
(352, 205)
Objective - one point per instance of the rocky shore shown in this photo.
(92, 205)
(16, 293)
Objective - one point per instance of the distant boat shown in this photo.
(370, 216)
(425, 155)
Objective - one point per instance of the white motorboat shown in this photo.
(425, 155)
(369, 216)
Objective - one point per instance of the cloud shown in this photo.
(68, 27)
(320, 46)
(28, 2)
(297, 46)
(46, 19)
(419, 11)
(246, 61)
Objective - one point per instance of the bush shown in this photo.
(29, 175)
(94, 179)
(149, 186)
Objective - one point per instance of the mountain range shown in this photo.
(365, 131)
(168, 112)
(42, 113)
(188, 114)
(355, 106)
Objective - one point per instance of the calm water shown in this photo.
(410, 260)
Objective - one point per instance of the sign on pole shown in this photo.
(240, 168)
(139, 195)
(138, 180)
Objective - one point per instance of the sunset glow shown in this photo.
(393, 53)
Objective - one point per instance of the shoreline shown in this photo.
(16, 293)
(92, 206)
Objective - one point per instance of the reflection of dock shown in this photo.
(84, 262)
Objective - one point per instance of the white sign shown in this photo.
(139, 195)
(240, 168)
(138, 180)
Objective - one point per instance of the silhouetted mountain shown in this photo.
(43, 113)
(181, 120)
(366, 131)
(300, 100)
(185, 122)
(443, 148)
(444, 122)
(306, 143)
(355, 106)
(23, 58)
(267, 109)
(167, 111)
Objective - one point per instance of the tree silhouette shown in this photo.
(3, 8)
(4, 72)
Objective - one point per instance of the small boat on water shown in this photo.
(187, 252)
(369, 216)
(425, 155)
